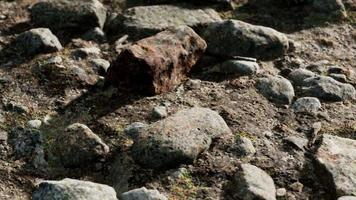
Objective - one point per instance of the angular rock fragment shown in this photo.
(144, 21)
(157, 64)
(307, 105)
(238, 67)
(78, 146)
(336, 165)
(142, 194)
(39, 40)
(71, 189)
(232, 38)
(251, 183)
(178, 139)
(277, 89)
(79, 15)
(298, 76)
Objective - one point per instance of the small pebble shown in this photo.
(281, 192)
(34, 123)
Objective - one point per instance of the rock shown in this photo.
(34, 123)
(245, 147)
(277, 89)
(336, 165)
(142, 194)
(297, 186)
(71, 189)
(330, 8)
(81, 15)
(159, 112)
(100, 65)
(39, 40)
(134, 129)
(81, 147)
(159, 63)
(339, 77)
(307, 105)
(281, 192)
(239, 67)
(178, 139)
(327, 89)
(298, 142)
(236, 38)
(144, 21)
(347, 198)
(298, 76)
(193, 84)
(3, 136)
(86, 52)
(28, 144)
(95, 34)
(251, 182)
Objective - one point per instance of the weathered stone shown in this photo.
(297, 142)
(245, 147)
(298, 76)
(95, 34)
(347, 198)
(276, 88)
(330, 7)
(144, 21)
(39, 40)
(80, 15)
(159, 63)
(34, 123)
(78, 146)
(336, 162)
(236, 38)
(327, 89)
(178, 139)
(100, 65)
(142, 194)
(159, 112)
(251, 183)
(71, 189)
(307, 105)
(239, 67)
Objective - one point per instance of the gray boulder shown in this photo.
(276, 88)
(298, 76)
(144, 21)
(336, 164)
(178, 139)
(78, 146)
(251, 183)
(80, 15)
(245, 147)
(347, 198)
(39, 40)
(71, 189)
(236, 38)
(327, 89)
(142, 194)
(239, 67)
(307, 105)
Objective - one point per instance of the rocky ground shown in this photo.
(178, 100)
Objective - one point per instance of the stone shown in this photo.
(143, 21)
(232, 38)
(96, 34)
(339, 77)
(276, 88)
(142, 194)
(347, 198)
(245, 147)
(298, 142)
(39, 40)
(239, 67)
(78, 146)
(134, 129)
(178, 139)
(86, 52)
(100, 65)
(297, 186)
(336, 165)
(81, 15)
(298, 76)
(330, 8)
(71, 189)
(159, 112)
(251, 182)
(307, 105)
(34, 123)
(281, 192)
(327, 89)
(159, 63)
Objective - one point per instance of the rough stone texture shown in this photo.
(78, 146)
(276, 88)
(347, 198)
(179, 138)
(307, 105)
(39, 40)
(236, 38)
(252, 183)
(148, 20)
(327, 89)
(142, 194)
(157, 64)
(71, 189)
(330, 7)
(79, 15)
(239, 67)
(336, 162)
(298, 76)
(245, 147)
